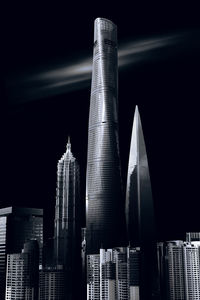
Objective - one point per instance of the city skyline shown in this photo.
(108, 120)
(100, 160)
(39, 129)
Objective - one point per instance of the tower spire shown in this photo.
(68, 144)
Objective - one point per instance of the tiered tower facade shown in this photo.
(67, 236)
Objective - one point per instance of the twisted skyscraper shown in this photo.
(104, 207)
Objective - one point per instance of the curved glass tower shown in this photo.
(104, 207)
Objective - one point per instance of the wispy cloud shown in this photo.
(66, 77)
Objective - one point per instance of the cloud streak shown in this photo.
(66, 77)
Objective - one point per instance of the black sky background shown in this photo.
(166, 91)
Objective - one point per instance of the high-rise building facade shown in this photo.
(114, 274)
(179, 265)
(67, 234)
(133, 273)
(140, 209)
(105, 220)
(107, 275)
(93, 277)
(191, 256)
(22, 276)
(182, 265)
(122, 286)
(52, 283)
(17, 226)
(192, 236)
(175, 270)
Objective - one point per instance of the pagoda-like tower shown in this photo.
(67, 234)
(105, 223)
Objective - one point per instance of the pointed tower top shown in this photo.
(136, 111)
(68, 144)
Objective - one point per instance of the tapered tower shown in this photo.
(140, 208)
(104, 207)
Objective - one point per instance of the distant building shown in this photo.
(133, 273)
(52, 283)
(191, 256)
(179, 270)
(114, 274)
(121, 267)
(22, 273)
(93, 277)
(107, 275)
(17, 226)
(192, 236)
(176, 270)
(162, 263)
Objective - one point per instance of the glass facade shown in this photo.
(104, 207)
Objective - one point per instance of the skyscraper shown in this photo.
(67, 219)
(105, 221)
(17, 226)
(139, 208)
(22, 276)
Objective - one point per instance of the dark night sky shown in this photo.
(163, 82)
